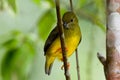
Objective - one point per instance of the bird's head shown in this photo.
(69, 19)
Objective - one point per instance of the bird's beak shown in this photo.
(65, 25)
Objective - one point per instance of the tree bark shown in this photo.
(112, 67)
(112, 62)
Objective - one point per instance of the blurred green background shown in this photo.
(24, 27)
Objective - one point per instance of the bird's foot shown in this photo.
(68, 66)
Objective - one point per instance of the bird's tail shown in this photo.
(48, 64)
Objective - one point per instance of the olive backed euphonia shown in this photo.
(52, 47)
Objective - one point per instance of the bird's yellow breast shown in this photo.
(71, 41)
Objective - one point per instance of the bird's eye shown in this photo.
(71, 20)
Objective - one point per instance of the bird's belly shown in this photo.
(71, 44)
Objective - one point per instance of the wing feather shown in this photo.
(53, 35)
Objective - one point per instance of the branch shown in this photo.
(112, 62)
(77, 59)
(61, 33)
(77, 64)
(112, 65)
(71, 5)
(101, 58)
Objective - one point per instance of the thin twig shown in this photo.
(77, 60)
(71, 5)
(101, 58)
(61, 33)
(77, 64)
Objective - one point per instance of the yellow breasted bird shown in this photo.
(52, 48)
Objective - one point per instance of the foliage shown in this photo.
(18, 55)
(8, 3)
(45, 23)
(18, 48)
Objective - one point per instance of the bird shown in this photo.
(73, 36)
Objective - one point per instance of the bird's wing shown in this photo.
(53, 35)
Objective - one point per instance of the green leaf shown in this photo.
(45, 23)
(82, 3)
(21, 50)
(8, 61)
(100, 4)
(12, 4)
(36, 1)
(1, 5)
(51, 2)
